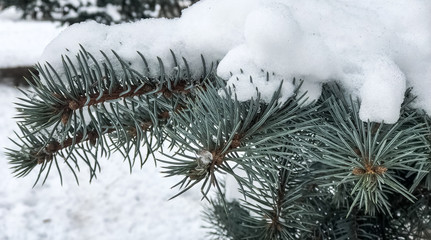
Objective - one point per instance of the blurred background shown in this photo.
(118, 204)
(28, 25)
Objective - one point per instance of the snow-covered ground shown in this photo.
(117, 205)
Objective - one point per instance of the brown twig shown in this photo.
(92, 136)
(119, 93)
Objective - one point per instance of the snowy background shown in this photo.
(117, 205)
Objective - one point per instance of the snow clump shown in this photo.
(374, 48)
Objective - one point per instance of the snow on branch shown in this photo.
(374, 49)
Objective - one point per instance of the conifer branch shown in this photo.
(368, 155)
(309, 169)
(217, 129)
(122, 109)
(121, 92)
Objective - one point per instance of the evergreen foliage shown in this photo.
(311, 171)
(41, 9)
(70, 12)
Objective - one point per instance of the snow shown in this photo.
(22, 42)
(383, 89)
(374, 49)
(117, 205)
(204, 158)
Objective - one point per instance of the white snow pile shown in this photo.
(375, 48)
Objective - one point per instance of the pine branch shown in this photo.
(94, 102)
(216, 131)
(410, 221)
(274, 206)
(368, 156)
(226, 220)
(312, 172)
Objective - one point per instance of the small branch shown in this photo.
(47, 154)
(218, 158)
(53, 147)
(92, 136)
(369, 168)
(281, 192)
(119, 93)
